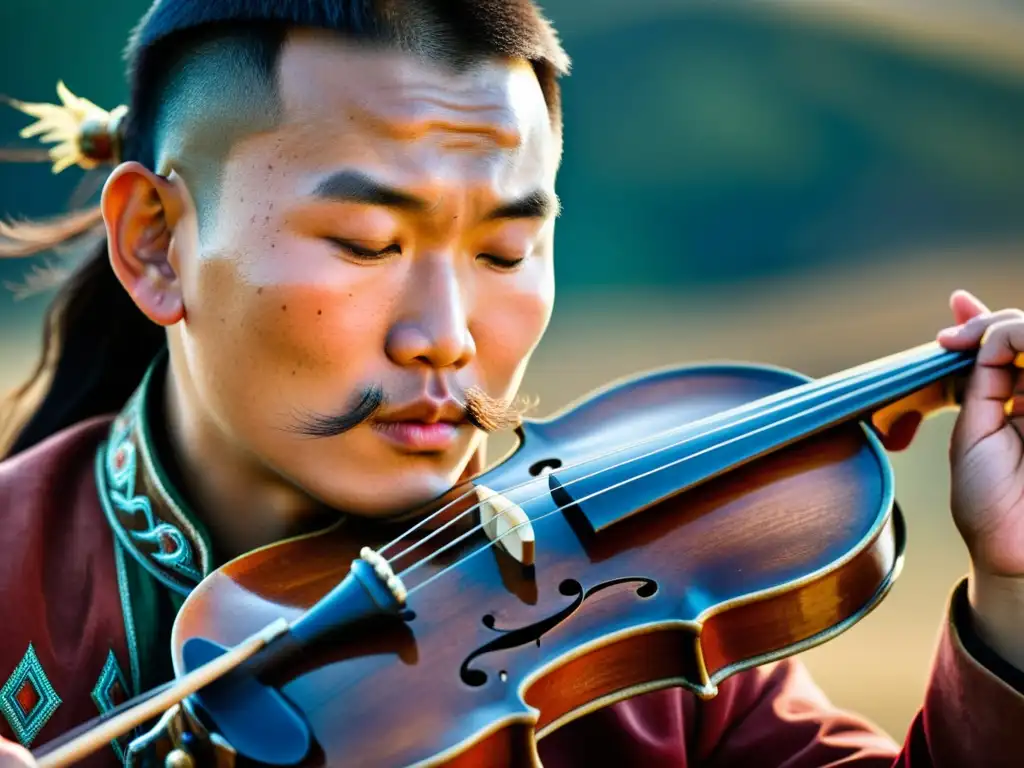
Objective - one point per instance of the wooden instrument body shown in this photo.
(756, 564)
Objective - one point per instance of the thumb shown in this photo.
(15, 756)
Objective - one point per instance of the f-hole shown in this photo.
(519, 636)
(544, 466)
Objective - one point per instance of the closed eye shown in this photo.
(365, 254)
(504, 265)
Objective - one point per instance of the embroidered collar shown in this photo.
(146, 512)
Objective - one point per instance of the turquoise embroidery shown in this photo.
(103, 694)
(129, 619)
(173, 550)
(28, 686)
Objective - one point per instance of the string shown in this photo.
(788, 397)
(426, 520)
(783, 399)
(607, 489)
(819, 386)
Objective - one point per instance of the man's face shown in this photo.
(394, 234)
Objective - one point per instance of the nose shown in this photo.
(433, 326)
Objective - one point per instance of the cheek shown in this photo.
(510, 321)
(288, 310)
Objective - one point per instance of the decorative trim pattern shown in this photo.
(122, 534)
(129, 619)
(27, 724)
(172, 547)
(167, 494)
(103, 695)
(145, 510)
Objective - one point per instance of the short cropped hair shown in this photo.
(96, 343)
(458, 32)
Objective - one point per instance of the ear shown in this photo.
(140, 210)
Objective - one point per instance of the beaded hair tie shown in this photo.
(85, 134)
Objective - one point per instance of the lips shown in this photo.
(424, 426)
(418, 437)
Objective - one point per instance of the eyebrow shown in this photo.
(536, 205)
(356, 187)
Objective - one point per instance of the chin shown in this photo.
(382, 497)
(368, 477)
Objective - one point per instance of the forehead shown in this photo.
(344, 103)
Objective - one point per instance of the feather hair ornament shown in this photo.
(85, 135)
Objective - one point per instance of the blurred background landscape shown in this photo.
(792, 182)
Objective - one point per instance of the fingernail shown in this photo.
(953, 330)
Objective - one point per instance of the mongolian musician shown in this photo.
(323, 258)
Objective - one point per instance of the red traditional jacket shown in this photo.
(98, 550)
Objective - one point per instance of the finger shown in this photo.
(969, 335)
(1001, 343)
(14, 756)
(965, 305)
(989, 398)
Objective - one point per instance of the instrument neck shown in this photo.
(923, 378)
(634, 477)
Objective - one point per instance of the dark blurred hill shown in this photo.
(704, 144)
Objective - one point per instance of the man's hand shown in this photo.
(987, 464)
(14, 755)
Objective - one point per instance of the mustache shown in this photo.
(486, 413)
(314, 424)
